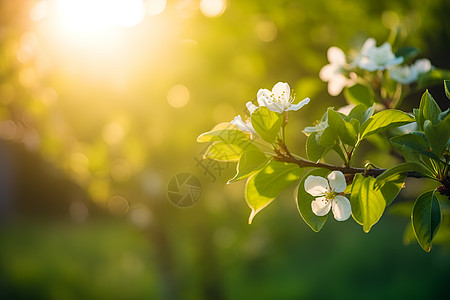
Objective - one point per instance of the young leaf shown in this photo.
(447, 88)
(344, 130)
(428, 109)
(328, 138)
(360, 113)
(426, 218)
(402, 168)
(385, 120)
(222, 151)
(438, 135)
(313, 150)
(367, 203)
(263, 187)
(223, 132)
(249, 163)
(414, 141)
(304, 200)
(267, 123)
(359, 93)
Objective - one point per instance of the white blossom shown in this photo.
(327, 193)
(279, 99)
(333, 72)
(243, 126)
(319, 127)
(374, 58)
(410, 74)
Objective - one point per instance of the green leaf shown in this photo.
(223, 132)
(328, 138)
(222, 151)
(407, 52)
(359, 93)
(360, 113)
(367, 203)
(313, 150)
(428, 109)
(426, 218)
(438, 135)
(414, 141)
(385, 120)
(390, 189)
(391, 173)
(447, 88)
(304, 200)
(343, 129)
(249, 163)
(263, 187)
(267, 123)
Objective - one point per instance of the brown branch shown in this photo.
(302, 163)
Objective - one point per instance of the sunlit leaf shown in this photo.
(367, 203)
(223, 132)
(221, 151)
(385, 120)
(249, 163)
(263, 187)
(267, 123)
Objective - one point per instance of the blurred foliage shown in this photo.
(108, 112)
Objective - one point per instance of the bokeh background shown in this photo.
(100, 106)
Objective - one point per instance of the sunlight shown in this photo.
(97, 16)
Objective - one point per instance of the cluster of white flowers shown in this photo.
(339, 73)
(278, 100)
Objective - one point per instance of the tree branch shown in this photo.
(302, 163)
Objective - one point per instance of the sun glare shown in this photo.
(98, 16)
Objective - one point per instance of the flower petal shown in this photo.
(263, 97)
(251, 107)
(316, 185)
(275, 107)
(341, 208)
(281, 89)
(337, 181)
(321, 206)
(368, 44)
(422, 65)
(336, 56)
(310, 129)
(328, 72)
(336, 85)
(298, 105)
(244, 126)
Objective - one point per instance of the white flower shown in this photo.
(333, 72)
(279, 99)
(327, 193)
(319, 128)
(374, 58)
(410, 74)
(244, 126)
